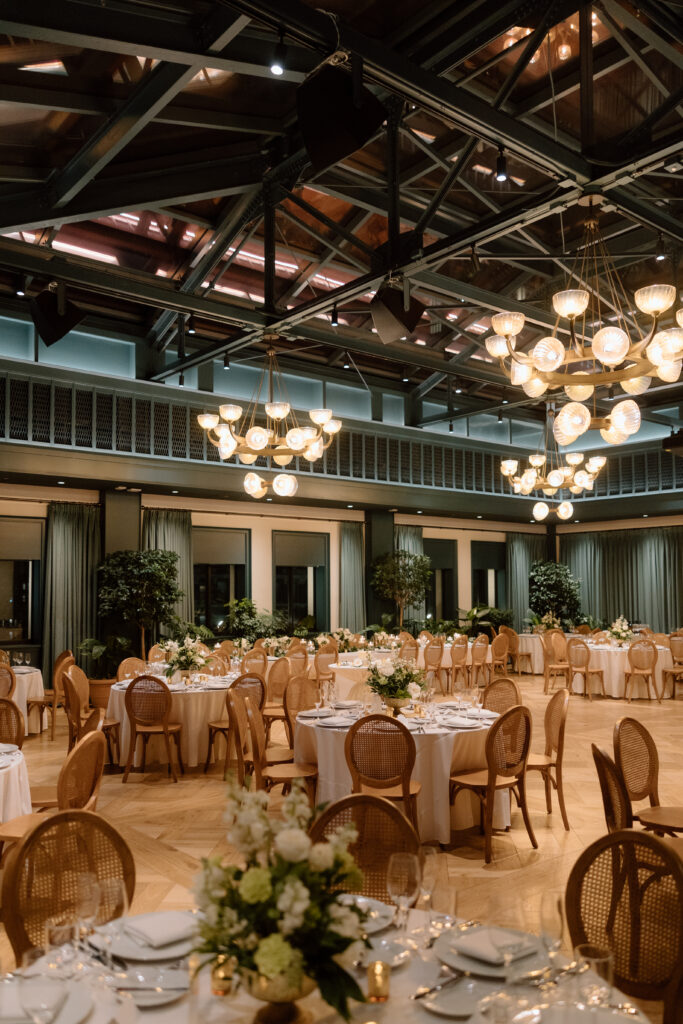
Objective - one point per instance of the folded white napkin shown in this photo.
(411, 723)
(161, 929)
(479, 943)
(487, 713)
(459, 722)
(335, 722)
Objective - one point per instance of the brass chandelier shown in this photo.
(606, 346)
(281, 438)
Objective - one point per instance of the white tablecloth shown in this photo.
(29, 684)
(15, 794)
(530, 643)
(193, 708)
(347, 675)
(614, 663)
(437, 755)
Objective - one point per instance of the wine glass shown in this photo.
(403, 883)
(19, 658)
(42, 989)
(88, 898)
(430, 875)
(594, 974)
(113, 908)
(27, 657)
(61, 938)
(552, 922)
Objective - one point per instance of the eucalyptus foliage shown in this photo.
(402, 577)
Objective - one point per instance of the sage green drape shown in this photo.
(635, 573)
(521, 550)
(352, 578)
(72, 554)
(166, 529)
(409, 538)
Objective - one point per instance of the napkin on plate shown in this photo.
(411, 723)
(480, 944)
(161, 929)
(22, 669)
(335, 722)
(460, 722)
(487, 713)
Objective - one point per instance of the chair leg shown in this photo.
(131, 754)
(171, 766)
(177, 737)
(560, 795)
(521, 787)
(145, 741)
(210, 749)
(487, 807)
(548, 790)
(53, 713)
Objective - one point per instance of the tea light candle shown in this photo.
(378, 981)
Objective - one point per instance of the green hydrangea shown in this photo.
(255, 885)
(273, 956)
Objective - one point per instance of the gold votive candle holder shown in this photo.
(379, 974)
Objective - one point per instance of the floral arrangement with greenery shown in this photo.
(397, 680)
(346, 640)
(621, 630)
(185, 655)
(276, 646)
(280, 915)
(385, 641)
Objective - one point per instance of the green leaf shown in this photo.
(337, 987)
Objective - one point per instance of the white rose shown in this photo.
(345, 922)
(386, 668)
(321, 857)
(414, 690)
(292, 844)
(292, 903)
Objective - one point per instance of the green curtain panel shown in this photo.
(72, 554)
(409, 538)
(352, 578)
(636, 573)
(166, 529)
(521, 550)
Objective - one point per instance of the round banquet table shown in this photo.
(29, 685)
(347, 674)
(530, 643)
(194, 707)
(439, 752)
(614, 663)
(15, 793)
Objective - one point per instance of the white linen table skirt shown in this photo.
(194, 709)
(346, 675)
(437, 755)
(15, 793)
(530, 643)
(614, 663)
(29, 685)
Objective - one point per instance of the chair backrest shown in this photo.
(433, 654)
(642, 655)
(409, 650)
(63, 661)
(226, 649)
(4, 657)
(41, 873)
(635, 753)
(298, 660)
(676, 645)
(8, 682)
(81, 685)
(215, 666)
(555, 721)
(278, 678)
(295, 642)
(500, 647)
(250, 684)
(258, 644)
(381, 829)
(12, 728)
(148, 701)
(507, 744)
(599, 635)
(300, 694)
(203, 648)
(330, 642)
(131, 667)
(257, 732)
(615, 801)
(559, 645)
(324, 657)
(405, 635)
(94, 722)
(513, 639)
(584, 630)
(425, 636)
(380, 752)
(501, 695)
(239, 727)
(156, 653)
(255, 661)
(625, 892)
(78, 785)
(480, 650)
(578, 653)
(72, 707)
(661, 638)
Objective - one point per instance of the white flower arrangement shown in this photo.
(187, 655)
(620, 630)
(346, 640)
(396, 679)
(549, 621)
(386, 641)
(280, 914)
(276, 646)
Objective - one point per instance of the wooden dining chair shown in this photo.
(409, 650)
(246, 685)
(433, 655)
(12, 727)
(456, 672)
(324, 657)
(215, 666)
(661, 639)
(131, 667)
(549, 764)
(42, 871)
(424, 636)
(8, 682)
(507, 751)
(53, 697)
(268, 773)
(300, 694)
(81, 720)
(554, 658)
(499, 655)
(579, 657)
(477, 669)
(642, 661)
(404, 635)
(625, 892)
(380, 755)
(381, 830)
(156, 653)
(4, 657)
(226, 650)
(584, 630)
(615, 800)
(239, 730)
(298, 661)
(636, 757)
(517, 657)
(255, 662)
(675, 673)
(501, 695)
(148, 708)
(274, 709)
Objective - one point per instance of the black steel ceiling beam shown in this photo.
(647, 213)
(644, 31)
(339, 229)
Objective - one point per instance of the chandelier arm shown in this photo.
(642, 345)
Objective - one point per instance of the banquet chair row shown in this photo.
(517, 658)
(53, 697)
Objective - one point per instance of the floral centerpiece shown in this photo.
(542, 623)
(279, 918)
(185, 656)
(396, 681)
(385, 641)
(276, 646)
(621, 631)
(346, 640)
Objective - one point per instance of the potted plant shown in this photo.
(552, 588)
(245, 621)
(105, 656)
(402, 577)
(397, 682)
(139, 587)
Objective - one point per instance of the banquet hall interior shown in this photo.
(298, 501)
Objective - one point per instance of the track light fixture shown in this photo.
(20, 290)
(334, 319)
(457, 388)
(191, 329)
(661, 251)
(347, 361)
(226, 362)
(181, 381)
(501, 166)
(278, 63)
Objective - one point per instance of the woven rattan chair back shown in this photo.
(584, 630)
(642, 656)
(578, 654)
(501, 695)
(156, 653)
(459, 652)
(480, 649)
(555, 721)
(615, 801)
(258, 644)
(301, 694)
(324, 657)
(433, 653)
(131, 667)
(298, 661)
(278, 677)
(239, 727)
(225, 649)
(625, 892)
(635, 753)
(380, 752)
(403, 636)
(676, 644)
(12, 728)
(409, 650)
(8, 682)
(425, 636)
(500, 645)
(4, 657)
(94, 722)
(63, 661)
(255, 662)
(250, 684)
(257, 733)
(41, 874)
(559, 646)
(662, 639)
(508, 742)
(79, 780)
(381, 829)
(331, 642)
(72, 707)
(81, 685)
(203, 648)
(599, 635)
(148, 701)
(215, 666)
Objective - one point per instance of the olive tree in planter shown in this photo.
(402, 577)
(139, 587)
(552, 588)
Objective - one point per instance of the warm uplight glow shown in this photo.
(655, 298)
(565, 510)
(257, 438)
(320, 416)
(507, 323)
(570, 303)
(534, 388)
(540, 511)
(255, 485)
(610, 345)
(207, 420)
(231, 413)
(547, 354)
(508, 467)
(497, 346)
(277, 410)
(520, 373)
(285, 485)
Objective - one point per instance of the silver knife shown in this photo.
(437, 988)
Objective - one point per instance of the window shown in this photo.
(301, 587)
(19, 601)
(214, 587)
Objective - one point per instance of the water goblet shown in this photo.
(19, 658)
(42, 988)
(508, 938)
(27, 657)
(594, 982)
(552, 922)
(113, 908)
(87, 901)
(403, 884)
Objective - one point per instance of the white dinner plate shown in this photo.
(335, 722)
(124, 945)
(389, 951)
(23, 669)
(75, 1009)
(344, 704)
(154, 986)
(316, 713)
(8, 748)
(379, 915)
(460, 723)
(444, 951)
(459, 1000)
(568, 1014)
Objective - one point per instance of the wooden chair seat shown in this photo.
(661, 819)
(393, 792)
(43, 797)
(274, 711)
(279, 773)
(540, 761)
(158, 728)
(479, 778)
(14, 830)
(221, 725)
(279, 755)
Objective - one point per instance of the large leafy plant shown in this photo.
(245, 620)
(553, 588)
(105, 655)
(139, 587)
(402, 577)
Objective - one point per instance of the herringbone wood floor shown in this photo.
(170, 827)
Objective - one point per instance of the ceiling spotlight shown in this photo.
(61, 483)
(480, 517)
(191, 329)
(450, 427)
(226, 362)
(564, 51)
(660, 255)
(501, 166)
(174, 492)
(500, 417)
(347, 361)
(405, 378)
(334, 319)
(278, 63)
(457, 389)
(181, 381)
(505, 400)
(20, 290)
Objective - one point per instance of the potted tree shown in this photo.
(403, 577)
(553, 589)
(140, 588)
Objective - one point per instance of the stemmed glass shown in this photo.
(552, 922)
(61, 938)
(597, 977)
(507, 937)
(88, 896)
(42, 988)
(114, 909)
(19, 658)
(27, 657)
(403, 884)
